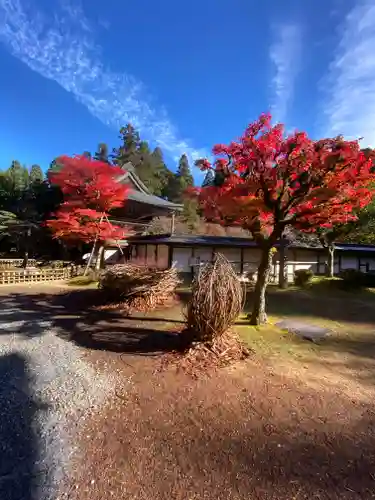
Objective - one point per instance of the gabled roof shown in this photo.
(141, 193)
(230, 241)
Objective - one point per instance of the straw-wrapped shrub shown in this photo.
(216, 301)
(139, 286)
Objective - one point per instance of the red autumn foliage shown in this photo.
(265, 182)
(89, 183)
(270, 181)
(91, 189)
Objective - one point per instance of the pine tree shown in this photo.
(161, 173)
(26, 177)
(36, 174)
(190, 214)
(102, 153)
(184, 172)
(129, 149)
(17, 177)
(143, 166)
(55, 165)
(181, 181)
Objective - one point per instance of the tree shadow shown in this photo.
(122, 339)
(154, 319)
(20, 477)
(75, 317)
(295, 463)
(346, 307)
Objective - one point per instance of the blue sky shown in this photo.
(188, 75)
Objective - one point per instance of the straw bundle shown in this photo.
(139, 286)
(216, 301)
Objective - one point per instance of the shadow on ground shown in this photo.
(74, 316)
(19, 453)
(265, 439)
(283, 463)
(76, 319)
(343, 307)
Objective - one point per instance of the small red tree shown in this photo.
(91, 189)
(266, 182)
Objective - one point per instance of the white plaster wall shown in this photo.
(141, 252)
(368, 260)
(181, 256)
(203, 254)
(232, 254)
(349, 262)
(162, 256)
(251, 255)
(151, 253)
(111, 255)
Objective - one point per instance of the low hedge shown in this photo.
(303, 276)
(352, 278)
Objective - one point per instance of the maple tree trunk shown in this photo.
(283, 282)
(258, 315)
(26, 252)
(331, 262)
(100, 258)
(90, 259)
(25, 259)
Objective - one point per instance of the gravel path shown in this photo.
(46, 391)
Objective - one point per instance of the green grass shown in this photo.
(269, 340)
(84, 281)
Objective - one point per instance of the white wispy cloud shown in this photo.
(285, 54)
(62, 48)
(349, 106)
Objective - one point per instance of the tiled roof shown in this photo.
(142, 193)
(228, 241)
(150, 199)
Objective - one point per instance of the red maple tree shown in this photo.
(91, 189)
(266, 182)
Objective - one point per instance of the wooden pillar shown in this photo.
(173, 223)
(192, 267)
(156, 254)
(170, 255)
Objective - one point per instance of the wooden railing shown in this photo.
(11, 263)
(15, 276)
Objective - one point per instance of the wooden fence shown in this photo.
(12, 277)
(11, 263)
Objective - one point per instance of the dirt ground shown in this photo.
(273, 427)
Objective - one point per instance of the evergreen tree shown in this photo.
(36, 174)
(209, 179)
(143, 166)
(182, 180)
(190, 214)
(129, 149)
(26, 177)
(55, 165)
(184, 172)
(161, 173)
(102, 153)
(17, 177)
(149, 166)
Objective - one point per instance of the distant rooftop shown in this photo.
(142, 194)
